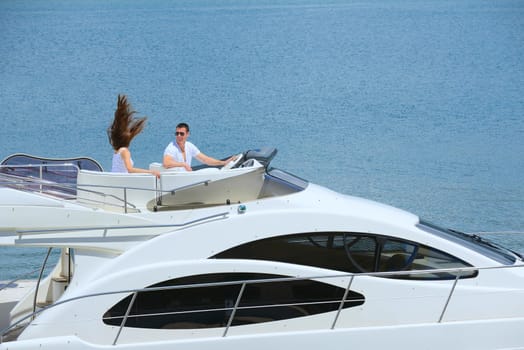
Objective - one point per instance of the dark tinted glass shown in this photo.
(473, 242)
(209, 306)
(354, 253)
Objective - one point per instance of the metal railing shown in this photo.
(41, 270)
(12, 283)
(28, 181)
(71, 190)
(20, 233)
(42, 168)
(244, 284)
(156, 193)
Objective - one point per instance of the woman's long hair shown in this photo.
(125, 126)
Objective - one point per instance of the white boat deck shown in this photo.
(10, 294)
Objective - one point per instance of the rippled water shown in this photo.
(417, 104)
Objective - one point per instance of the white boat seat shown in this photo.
(160, 168)
(110, 189)
(157, 166)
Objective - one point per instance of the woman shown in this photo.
(124, 128)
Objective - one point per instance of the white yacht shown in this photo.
(248, 256)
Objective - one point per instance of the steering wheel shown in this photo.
(233, 163)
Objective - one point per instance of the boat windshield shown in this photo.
(50, 175)
(474, 242)
(288, 178)
(59, 170)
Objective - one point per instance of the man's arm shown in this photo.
(212, 161)
(169, 162)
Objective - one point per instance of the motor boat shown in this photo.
(244, 256)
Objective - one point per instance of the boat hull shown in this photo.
(477, 335)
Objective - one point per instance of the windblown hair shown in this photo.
(125, 126)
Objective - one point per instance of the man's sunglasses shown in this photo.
(179, 133)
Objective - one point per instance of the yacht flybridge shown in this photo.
(243, 256)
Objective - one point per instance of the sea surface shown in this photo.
(417, 104)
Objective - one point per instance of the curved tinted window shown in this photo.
(212, 305)
(352, 252)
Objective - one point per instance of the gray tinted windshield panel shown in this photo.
(473, 242)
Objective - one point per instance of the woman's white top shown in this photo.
(118, 165)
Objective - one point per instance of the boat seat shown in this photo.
(110, 189)
(160, 168)
(157, 166)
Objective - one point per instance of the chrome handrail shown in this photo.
(195, 184)
(244, 283)
(173, 191)
(27, 181)
(40, 168)
(157, 192)
(11, 283)
(39, 165)
(119, 227)
(124, 319)
(235, 308)
(40, 278)
(341, 306)
(449, 298)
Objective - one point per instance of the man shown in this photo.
(180, 152)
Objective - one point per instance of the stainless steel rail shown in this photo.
(12, 283)
(119, 227)
(34, 180)
(27, 183)
(40, 279)
(244, 284)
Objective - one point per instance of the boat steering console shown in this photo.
(262, 155)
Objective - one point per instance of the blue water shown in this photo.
(418, 104)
